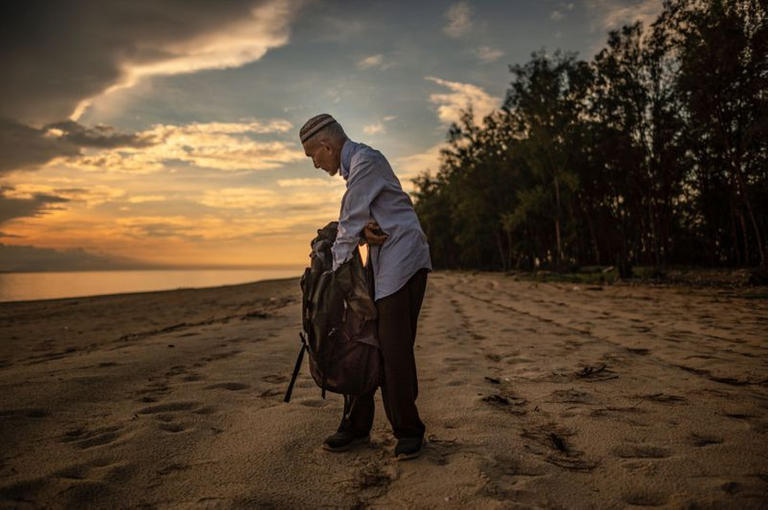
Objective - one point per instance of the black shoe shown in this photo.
(342, 441)
(408, 448)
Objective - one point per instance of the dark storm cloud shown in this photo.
(25, 147)
(55, 54)
(103, 137)
(12, 207)
(32, 258)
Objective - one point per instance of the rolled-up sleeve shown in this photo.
(363, 185)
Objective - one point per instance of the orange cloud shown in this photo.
(461, 97)
(215, 145)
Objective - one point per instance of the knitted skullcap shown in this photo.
(314, 125)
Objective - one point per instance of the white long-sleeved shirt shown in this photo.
(374, 193)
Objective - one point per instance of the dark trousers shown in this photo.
(398, 314)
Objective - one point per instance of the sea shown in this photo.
(53, 285)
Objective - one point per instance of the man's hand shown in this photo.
(373, 234)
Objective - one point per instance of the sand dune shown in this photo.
(534, 396)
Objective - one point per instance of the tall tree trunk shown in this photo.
(750, 212)
(500, 247)
(735, 163)
(558, 239)
(745, 235)
(738, 258)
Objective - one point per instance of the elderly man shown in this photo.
(376, 207)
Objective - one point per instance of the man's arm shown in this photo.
(363, 186)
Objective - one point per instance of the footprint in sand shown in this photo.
(503, 474)
(98, 469)
(571, 396)
(34, 412)
(83, 493)
(641, 452)
(84, 439)
(663, 398)
(172, 427)
(274, 378)
(502, 465)
(313, 402)
(172, 468)
(553, 442)
(74, 472)
(169, 407)
(99, 440)
(155, 388)
(22, 491)
(701, 440)
(176, 370)
(645, 497)
(437, 451)
(231, 386)
(373, 480)
(220, 356)
(120, 473)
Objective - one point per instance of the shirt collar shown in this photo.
(346, 157)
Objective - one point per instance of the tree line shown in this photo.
(652, 153)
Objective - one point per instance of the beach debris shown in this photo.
(596, 373)
(511, 404)
(700, 440)
(171, 468)
(588, 370)
(256, 314)
(558, 441)
(571, 396)
(664, 398)
(496, 399)
(571, 463)
(549, 441)
(732, 381)
(372, 479)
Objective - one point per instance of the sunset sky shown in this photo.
(166, 131)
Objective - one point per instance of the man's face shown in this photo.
(323, 156)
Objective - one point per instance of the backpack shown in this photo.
(338, 319)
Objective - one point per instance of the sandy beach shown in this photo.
(535, 395)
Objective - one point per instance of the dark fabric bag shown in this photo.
(338, 322)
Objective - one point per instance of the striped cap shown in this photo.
(313, 125)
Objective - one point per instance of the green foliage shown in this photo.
(655, 152)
